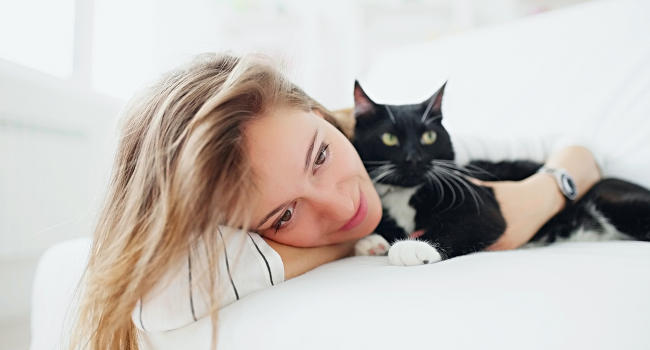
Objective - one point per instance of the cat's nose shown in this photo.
(413, 159)
(410, 157)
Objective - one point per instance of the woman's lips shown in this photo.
(359, 216)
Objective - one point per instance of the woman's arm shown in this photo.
(300, 260)
(528, 204)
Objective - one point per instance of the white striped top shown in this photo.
(248, 264)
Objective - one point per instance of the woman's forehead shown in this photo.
(278, 144)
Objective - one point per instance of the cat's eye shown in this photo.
(428, 137)
(389, 139)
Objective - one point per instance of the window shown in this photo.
(38, 34)
(123, 45)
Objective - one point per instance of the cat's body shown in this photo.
(432, 211)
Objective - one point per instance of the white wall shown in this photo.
(55, 145)
(53, 149)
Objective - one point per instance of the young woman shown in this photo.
(229, 142)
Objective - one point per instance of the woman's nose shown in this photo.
(337, 203)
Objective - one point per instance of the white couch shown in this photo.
(584, 72)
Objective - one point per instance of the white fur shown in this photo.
(396, 201)
(408, 252)
(607, 233)
(412, 252)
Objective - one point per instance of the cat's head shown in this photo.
(398, 143)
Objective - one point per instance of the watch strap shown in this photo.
(564, 181)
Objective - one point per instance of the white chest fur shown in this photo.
(396, 201)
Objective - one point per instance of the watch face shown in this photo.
(569, 187)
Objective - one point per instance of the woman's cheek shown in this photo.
(346, 156)
(305, 237)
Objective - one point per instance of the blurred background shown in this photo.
(68, 66)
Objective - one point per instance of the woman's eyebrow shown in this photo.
(310, 151)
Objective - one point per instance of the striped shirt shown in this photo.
(247, 264)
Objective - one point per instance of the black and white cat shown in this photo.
(432, 212)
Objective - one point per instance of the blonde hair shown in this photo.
(180, 172)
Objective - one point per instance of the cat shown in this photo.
(431, 209)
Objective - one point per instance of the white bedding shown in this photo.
(569, 296)
(581, 73)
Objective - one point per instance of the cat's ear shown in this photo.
(433, 104)
(362, 103)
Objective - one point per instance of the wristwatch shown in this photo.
(564, 181)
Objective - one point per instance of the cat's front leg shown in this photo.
(386, 232)
(413, 252)
(373, 244)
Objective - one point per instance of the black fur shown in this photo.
(457, 216)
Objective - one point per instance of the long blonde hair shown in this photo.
(180, 172)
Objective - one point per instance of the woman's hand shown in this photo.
(528, 204)
(297, 261)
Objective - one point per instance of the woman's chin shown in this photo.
(366, 228)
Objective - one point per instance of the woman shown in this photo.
(229, 142)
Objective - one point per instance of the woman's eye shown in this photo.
(428, 137)
(286, 217)
(322, 156)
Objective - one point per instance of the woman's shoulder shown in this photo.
(237, 262)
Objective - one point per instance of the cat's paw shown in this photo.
(371, 245)
(412, 252)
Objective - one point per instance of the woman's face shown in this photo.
(314, 188)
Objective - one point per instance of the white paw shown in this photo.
(371, 245)
(412, 252)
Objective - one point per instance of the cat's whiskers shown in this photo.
(382, 172)
(451, 166)
(374, 173)
(375, 162)
(476, 169)
(430, 174)
(459, 178)
(472, 191)
(468, 169)
(448, 183)
(454, 183)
